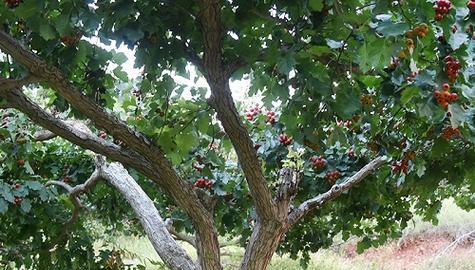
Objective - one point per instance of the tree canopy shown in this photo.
(366, 117)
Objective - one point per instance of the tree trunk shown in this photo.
(167, 248)
(262, 245)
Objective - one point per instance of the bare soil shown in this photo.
(414, 250)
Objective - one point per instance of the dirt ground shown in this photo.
(416, 249)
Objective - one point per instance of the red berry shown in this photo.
(445, 87)
(20, 162)
(453, 96)
(285, 140)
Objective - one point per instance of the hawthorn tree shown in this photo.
(366, 117)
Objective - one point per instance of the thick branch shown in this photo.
(221, 100)
(9, 84)
(335, 191)
(154, 163)
(168, 249)
(81, 138)
(44, 135)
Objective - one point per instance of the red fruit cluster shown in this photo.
(411, 77)
(13, 3)
(441, 9)
(454, 28)
(332, 176)
(471, 5)
(66, 179)
(445, 97)
(20, 162)
(394, 63)
(449, 133)
(102, 134)
(198, 165)
(351, 153)
(270, 117)
(452, 67)
(400, 166)
(17, 200)
(203, 183)
(285, 139)
(252, 112)
(318, 162)
(16, 185)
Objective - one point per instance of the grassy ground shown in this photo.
(452, 220)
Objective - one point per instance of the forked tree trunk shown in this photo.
(262, 245)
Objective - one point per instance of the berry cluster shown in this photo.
(17, 200)
(452, 67)
(368, 99)
(351, 153)
(285, 139)
(421, 31)
(318, 162)
(16, 185)
(411, 76)
(471, 5)
(442, 8)
(449, 133)
(198, 165)
(102, 134)
(20, 162)
(270, 117)
(332, 176)
(66, 179)
(395, 61)
(13, 3)
(252, 112)
(445, 97)
(347, 123)
(400, 166)
(203, 183)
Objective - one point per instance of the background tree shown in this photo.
(351, 90)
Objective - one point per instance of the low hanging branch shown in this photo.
(335, 191)
(174, 256)
(156, 229)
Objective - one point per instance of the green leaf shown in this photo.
(456, 40)
(334, 44)
(458, 115)
(62, 24)
(27, 9)
(25, 205)
(408, 93)
(388, 28)
(3, 206)
(119, 58)
(286, 64)
(47, 32)
(315, 5)
(122, 75)
(28, 168)
(34, 185)
(347, 102)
